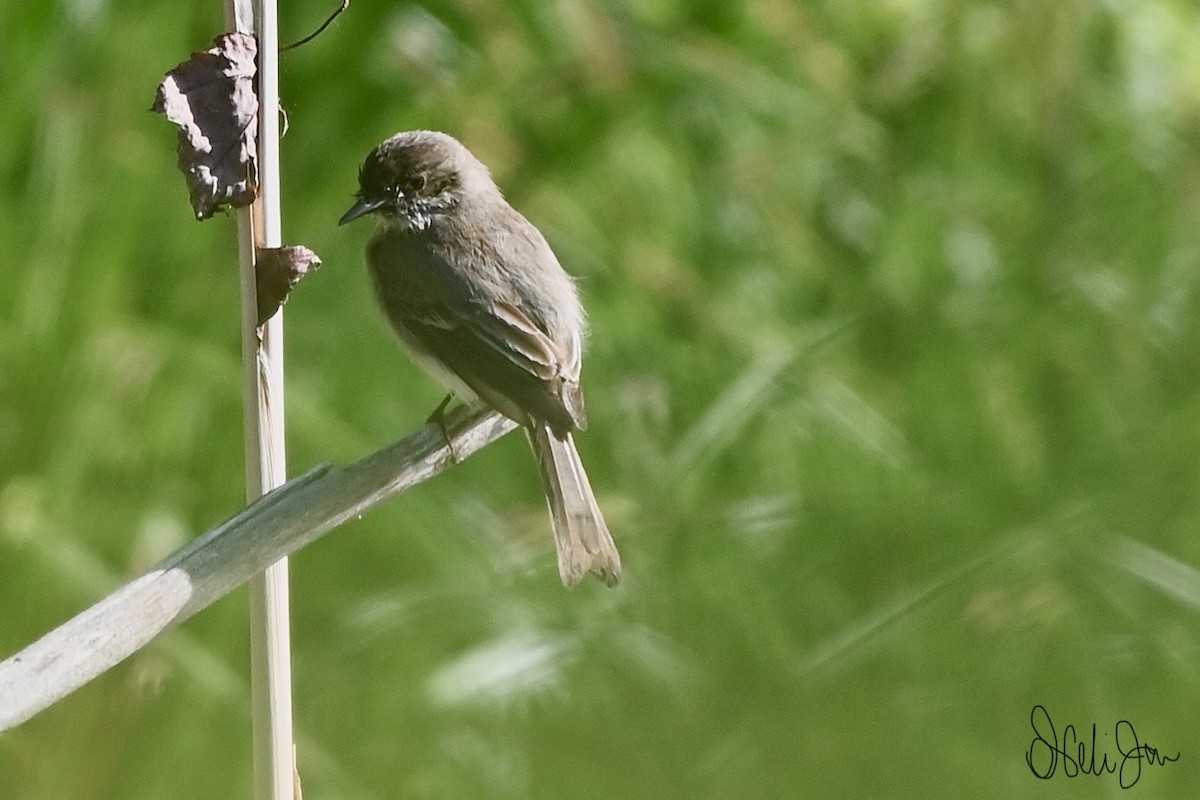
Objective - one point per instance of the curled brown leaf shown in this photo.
(211, 98)
(278, 270)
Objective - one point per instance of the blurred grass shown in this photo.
(893, 382)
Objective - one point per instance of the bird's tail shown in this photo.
(580, 535)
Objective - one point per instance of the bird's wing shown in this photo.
(497, 349)
(502, 357)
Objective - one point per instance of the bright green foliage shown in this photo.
(894, 387)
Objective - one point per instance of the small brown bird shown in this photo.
(477, 296)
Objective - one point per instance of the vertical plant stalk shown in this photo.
(262, 398)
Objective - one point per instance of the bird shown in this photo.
(478, 298)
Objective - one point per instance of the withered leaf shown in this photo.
(211, 98)
(279, 269)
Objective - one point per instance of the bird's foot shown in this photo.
(438, 417)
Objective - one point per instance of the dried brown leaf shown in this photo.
(279, 269)
(211, 98)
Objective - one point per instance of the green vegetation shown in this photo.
(893, 382)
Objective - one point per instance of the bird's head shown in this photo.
(415, 176)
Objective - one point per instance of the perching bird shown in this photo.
(474, 291)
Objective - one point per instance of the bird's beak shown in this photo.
(362, 207)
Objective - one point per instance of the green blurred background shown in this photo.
(894, 384)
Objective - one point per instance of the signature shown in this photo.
(1046, 749)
